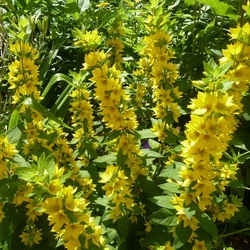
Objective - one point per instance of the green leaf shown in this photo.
(57, 78)
(190, 2)
(112, 234)
(47, 164)
(58, 107)
(207, 224)
(158, 235)
(123, 227)
(227, 85)
(8, 188)
(221, 8)
(103, 201)
(44, 68)
(112, 135)
(164, 217)
(14, 135)
(146, 134)
(64, 177)
(41, 109)
(209, 67)
(182, 235)
(170, 172)
(27, 173)
(153, 144)
(109, 159)
(162, 201)
(83, 5)
(225, 67)
(148, 153)
(170, 187)
(148, 186)
(121, 158)
(14, 118)
(20, 161)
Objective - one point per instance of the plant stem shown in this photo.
(235, 232)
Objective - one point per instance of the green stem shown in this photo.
(235, 232)
(196, 17)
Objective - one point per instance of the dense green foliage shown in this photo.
(124, 124)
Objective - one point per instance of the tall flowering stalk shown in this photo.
(23, 72)
(50, 164)
(117, 115)
(205, 174)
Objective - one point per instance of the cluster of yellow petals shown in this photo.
(208, 133)
(109, 91)
(23, 72)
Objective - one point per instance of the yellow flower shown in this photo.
(32, 210)
(107, 176)
(52, 205)
(102, 5)
(241, 33)
(199, 245)
(204, 186)
(160, 129)
(148, 226)
(203, 104)
(72, 231)
(54, 186)
(93, 59)
(31, 235)
(191, 222)
(58, 219)
(22, 49)
(89, 41)
(7, 150)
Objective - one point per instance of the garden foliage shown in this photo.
(124, 124)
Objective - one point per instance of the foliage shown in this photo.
(124, 124)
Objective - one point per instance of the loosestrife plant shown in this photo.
(119, 169)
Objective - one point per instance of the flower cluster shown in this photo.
(155, 67)
(118, 115)
(213, 121)
(115, 109)
(70, 220)
(23, 73)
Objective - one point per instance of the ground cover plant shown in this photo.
(125, 124)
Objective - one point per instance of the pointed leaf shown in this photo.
(207, 224)
(162, 201)
(83, 5)
(164, 217)
(41, 109)
(14, 118)
(182, 235)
